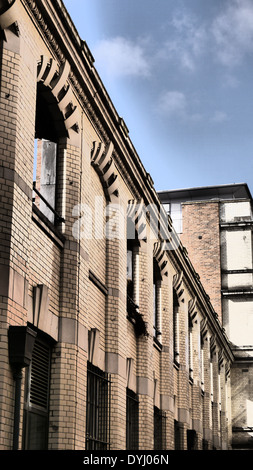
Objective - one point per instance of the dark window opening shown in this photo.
(133, 314)
(159, 429)
(49, 127)
(178, 436)
(175, 328)
(36, 408)
(98, 409)
(132, 421)
(130, 283)
(156, 294)
(190, 340)
(192, 440)
(204, 444)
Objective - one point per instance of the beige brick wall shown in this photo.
(86, 278)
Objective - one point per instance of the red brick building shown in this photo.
(215, 226)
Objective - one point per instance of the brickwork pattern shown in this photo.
(201, 238)
(85, 278)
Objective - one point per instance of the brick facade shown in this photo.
(66, 280)
(201, 237)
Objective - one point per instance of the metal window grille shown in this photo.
(37, 399)
(159, 429)
(98, 409)
(132, 421)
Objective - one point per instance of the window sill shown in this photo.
(157, 344)
(47, 227)
(176, 365)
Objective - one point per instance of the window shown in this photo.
(49, 128)
(212, 349)
(132, 421)
(159, 429)
(204, 444)
(130, 286)
(132, 275)
(157, 300)
(97, 409)
(36, 408)
(131, 306)
(175, 328)
(44, 182)
(178, 435)
(202, 365)
(192, 440)
(176, 215)
(190, 340)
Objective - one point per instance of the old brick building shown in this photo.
(108, 338)
(215, 225)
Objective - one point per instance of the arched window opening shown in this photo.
(49, 128)
(190, 343)
(132, 278)
(157, 278)
(175, 328)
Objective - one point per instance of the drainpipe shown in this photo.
(21, 342)
(17, 376)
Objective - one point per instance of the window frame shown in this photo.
(98, 404)
(159, 429)
(157, 292)
(132, 420)
(31, 408)
(176, 352)
(52, 133)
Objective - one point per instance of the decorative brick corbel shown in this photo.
(192, 309)
(102, 161)
(213, 345)
(56, 79)
(204, 327)
(136, 212)
(159, 253)
(220, 358)
(10, 16)
(177, 284)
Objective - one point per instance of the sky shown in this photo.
(180, 75)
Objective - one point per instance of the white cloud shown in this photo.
(219, 117)
(119, 57)
(188, 41)
(233, 32)
(230, 81)
(175, 104)
(172, 103)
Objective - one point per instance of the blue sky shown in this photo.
(180, 75)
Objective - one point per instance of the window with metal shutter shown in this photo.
(40, 375)
(36, 407)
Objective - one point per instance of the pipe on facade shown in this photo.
(17, 376)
